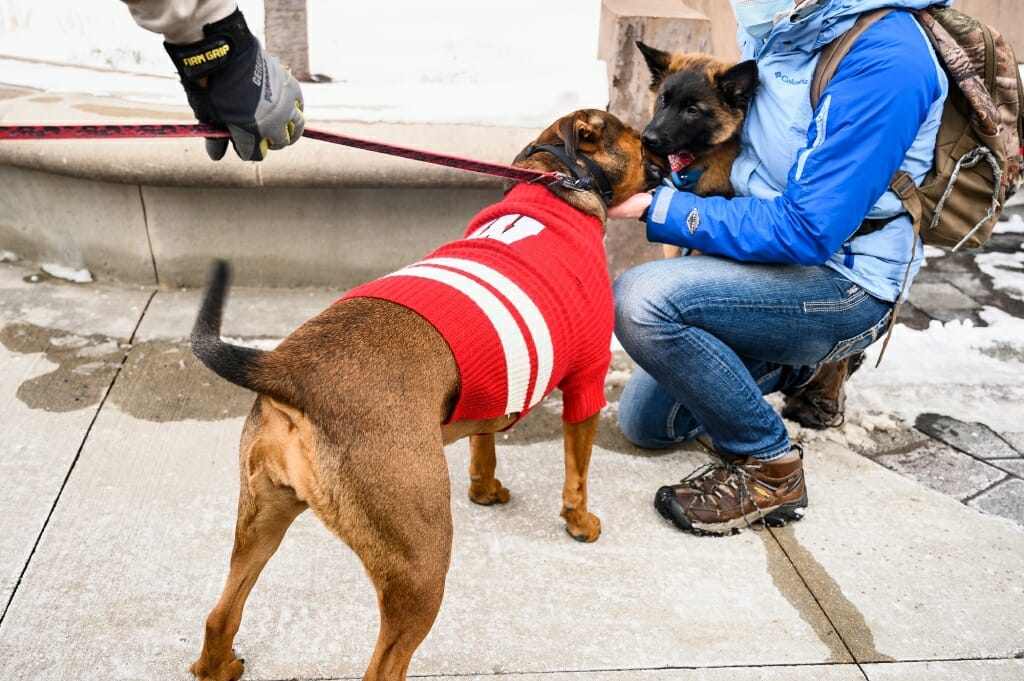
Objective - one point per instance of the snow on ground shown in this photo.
(451, 61)
(67, 273)
(1006, 269)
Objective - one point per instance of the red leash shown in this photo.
(51, 132)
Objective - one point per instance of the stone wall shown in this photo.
(1006, 16)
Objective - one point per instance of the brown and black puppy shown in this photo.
(355, 407)
(698, 105)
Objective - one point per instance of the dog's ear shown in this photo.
(567, 133)
(738, 84)
(657, 63)
(581, 131)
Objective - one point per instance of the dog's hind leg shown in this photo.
(579, 443)
(266, 510)
(484, 488)
(264, 515)
(392, 506)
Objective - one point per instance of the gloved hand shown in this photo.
(231, 81)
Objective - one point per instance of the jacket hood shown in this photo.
(831, 18)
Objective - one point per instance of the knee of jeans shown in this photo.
(629, 428)
(633, 427)
(636, 308)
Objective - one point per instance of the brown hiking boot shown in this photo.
(821, 402)
(720, 498)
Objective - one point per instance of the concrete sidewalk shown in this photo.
(120, 481)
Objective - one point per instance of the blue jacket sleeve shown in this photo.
(867, 120)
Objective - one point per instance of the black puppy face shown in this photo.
(697, 102)
(686, 115)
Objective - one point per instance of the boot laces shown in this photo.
(734, 480)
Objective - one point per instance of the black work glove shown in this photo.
(232, 82)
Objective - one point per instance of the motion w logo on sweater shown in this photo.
(508, 229)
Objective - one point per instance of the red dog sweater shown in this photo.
(525, 303)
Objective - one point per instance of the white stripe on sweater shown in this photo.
(536, 325)
(513, 345)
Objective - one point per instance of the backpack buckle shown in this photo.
(903, 184)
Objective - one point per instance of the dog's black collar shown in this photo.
(580, 180)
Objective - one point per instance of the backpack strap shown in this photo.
(1020, 111)
(904, 187)
(834, 52)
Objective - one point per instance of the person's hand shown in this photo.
(232, 82)
(633, 207)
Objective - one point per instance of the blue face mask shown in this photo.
(756, 16)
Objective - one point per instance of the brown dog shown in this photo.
(698, 105)
(355, 407)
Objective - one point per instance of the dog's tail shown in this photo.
(247, 367)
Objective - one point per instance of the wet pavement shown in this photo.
(950, 452)
(120, 481)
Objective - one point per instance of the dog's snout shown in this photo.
(653, 175)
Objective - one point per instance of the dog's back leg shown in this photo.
(392, 506)
(266, 510)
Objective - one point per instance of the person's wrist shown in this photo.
(647, 209)
(223, 41)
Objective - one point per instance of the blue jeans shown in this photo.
(712, 336)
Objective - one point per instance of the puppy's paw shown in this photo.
(231, 670)
(582, 525)
(487, 492)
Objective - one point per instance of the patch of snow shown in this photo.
(972, 373)
(1006, 270)
(67, 273)
(952, 352)
(476, 63)
(933, 252)
(1014, 224)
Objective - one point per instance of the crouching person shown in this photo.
(800, 270)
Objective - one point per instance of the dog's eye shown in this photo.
(692, 110)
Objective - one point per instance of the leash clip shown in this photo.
(577, 184)
(549, 179)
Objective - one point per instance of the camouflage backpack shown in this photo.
(978, 150)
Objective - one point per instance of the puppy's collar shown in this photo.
(682, 179)
(580, 181)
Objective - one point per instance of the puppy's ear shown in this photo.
(657, 63)
(738, 84)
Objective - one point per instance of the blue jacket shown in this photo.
(805, 180)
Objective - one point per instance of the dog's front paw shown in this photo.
(231, 670)
(487, 492)
(582, 525)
